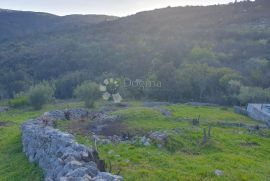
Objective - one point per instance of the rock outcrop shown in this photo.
(57, 153)
(259, 112)
(160, 138)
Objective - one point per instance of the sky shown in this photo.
(108, 7)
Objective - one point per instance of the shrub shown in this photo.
(40, 94)
(64, 87)
(88, 92)
(18, 101)
(253, 94)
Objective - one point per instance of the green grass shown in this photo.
(145, 118)
(208, 113)
(152, 119)
(14, 165)
(182, 158)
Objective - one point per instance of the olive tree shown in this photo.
(88, 92)
(40, 94)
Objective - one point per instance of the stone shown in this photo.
(91, 168)
(105, 141)
(166, 113)
(54, 115)
(145, 141)
(57, 153)
(79, 172)
(107, 177)
(115, 139)
(218, 172)
(86, 178)
(75, 114)
(160, 138)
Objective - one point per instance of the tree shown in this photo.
(14, 82)
(40, 94)
(88, 92)
(202, 55)
(253, 94)
(198, 76)
(65, 86)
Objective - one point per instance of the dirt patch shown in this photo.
(250, 144)
(79, 127)
(5, 124)
(100, 124)
(87, 127)
(110, 129)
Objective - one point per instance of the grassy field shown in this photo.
(239, 154)
(14, 165)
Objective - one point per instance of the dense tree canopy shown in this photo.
(198, 53)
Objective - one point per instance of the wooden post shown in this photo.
(204, 136)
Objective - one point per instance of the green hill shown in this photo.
(226, 44)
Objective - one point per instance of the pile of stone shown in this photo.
(102, 121)
(165, 112)
(69, 114)
(105, 118)
(160, 138)
(58, 154)
(145, 141)
(76, 114)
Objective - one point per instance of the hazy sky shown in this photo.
(109, 7)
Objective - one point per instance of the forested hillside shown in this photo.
(216, 53)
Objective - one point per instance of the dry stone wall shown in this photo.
(257, 112)
(57, 153)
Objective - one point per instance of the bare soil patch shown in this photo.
(5, 123)
(87, 127)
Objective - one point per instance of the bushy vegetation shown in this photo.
(196, 52)
(217, 54)
(64, 86)
(19, 100)
(253, 94)
(233, 150)
(241, 155)
(40, 94)
(88, 92)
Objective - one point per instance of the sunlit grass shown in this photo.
(14, 166)
(190, 160)
(183, 158)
